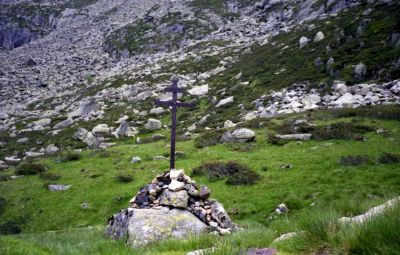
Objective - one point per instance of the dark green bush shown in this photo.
(30, 168)
(207, 139)
(124, 177)
(3, 203)
(389, 158)
(70, 156)
(340, 130)
(273, 139)
(50, 176)
(243, 178)
(10, 228)
(386, 112)
(235, 173)
(353, 160)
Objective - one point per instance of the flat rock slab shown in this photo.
(59, 187)
(150, 225)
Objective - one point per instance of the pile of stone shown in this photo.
(171, 206)
(299, 98)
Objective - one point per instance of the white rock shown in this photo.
(51, 149)
(136, 159)
(303, 41)
(199, 90)
(176, 185)
(176, 174)
(229, 124)
(346, 100)
(225, 101)
(319, 37)
(157, 111)
(101, 129)
(340, 87)
(153, 124)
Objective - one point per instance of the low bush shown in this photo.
(3, 203)
(389, 158)
(353, 160)
(124, 177)
(236, 174)
(274, 140)
(70, 156)
(10, 228)
(50, 176)
(30, 169)
(208, 139)
(340, 130)
(385, 112)
(243, 178)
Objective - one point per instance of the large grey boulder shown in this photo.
(63, 124)
(153, 124)
(199, 90)
(81, 134)
(340, 87)
(238, 135)
(219, 214)
(346, 100)
(85, 109)
(145, 226)
(125, 130)
(101, 129)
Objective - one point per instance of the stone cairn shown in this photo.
(174, 190)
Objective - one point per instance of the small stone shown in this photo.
(177, 199)
(303, 41)
(319, 37)
(225, 101)
(204, 193)
(153, 124)
(176, 174)
(176, 185)
(136, 159)
(85, 206)
(55, 187)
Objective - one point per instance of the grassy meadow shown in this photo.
(319, 188)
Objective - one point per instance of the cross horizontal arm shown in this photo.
(163, 103)
(174, 90)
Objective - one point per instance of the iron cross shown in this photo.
(174, 103)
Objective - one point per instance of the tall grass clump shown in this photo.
(30, 169)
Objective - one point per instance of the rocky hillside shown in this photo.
(80, 64)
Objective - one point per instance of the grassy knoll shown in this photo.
(317, 185)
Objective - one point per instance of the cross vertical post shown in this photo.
(174, 103)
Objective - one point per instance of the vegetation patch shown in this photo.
(30, 169)
(10, 228)
(274, 140)
(3, 203)
(340, 130)
(384, 112)
(70, 156)
(389, 158)
(124, 177)
(208, 138)
(353, 160)
(236, 173)
(50, 176)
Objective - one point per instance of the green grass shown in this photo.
(316, 181)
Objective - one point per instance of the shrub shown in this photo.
(340, 130)
(124, 177)
(273, 139)
(3, 203)
(389, 158)
(72, 156)
(243, 177)
(30, 168)
(50, 176)
(353, 160)
(10, 228)
(207, 139)
(386, 112)
(235, 173)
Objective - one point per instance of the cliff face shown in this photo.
(21, 23)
